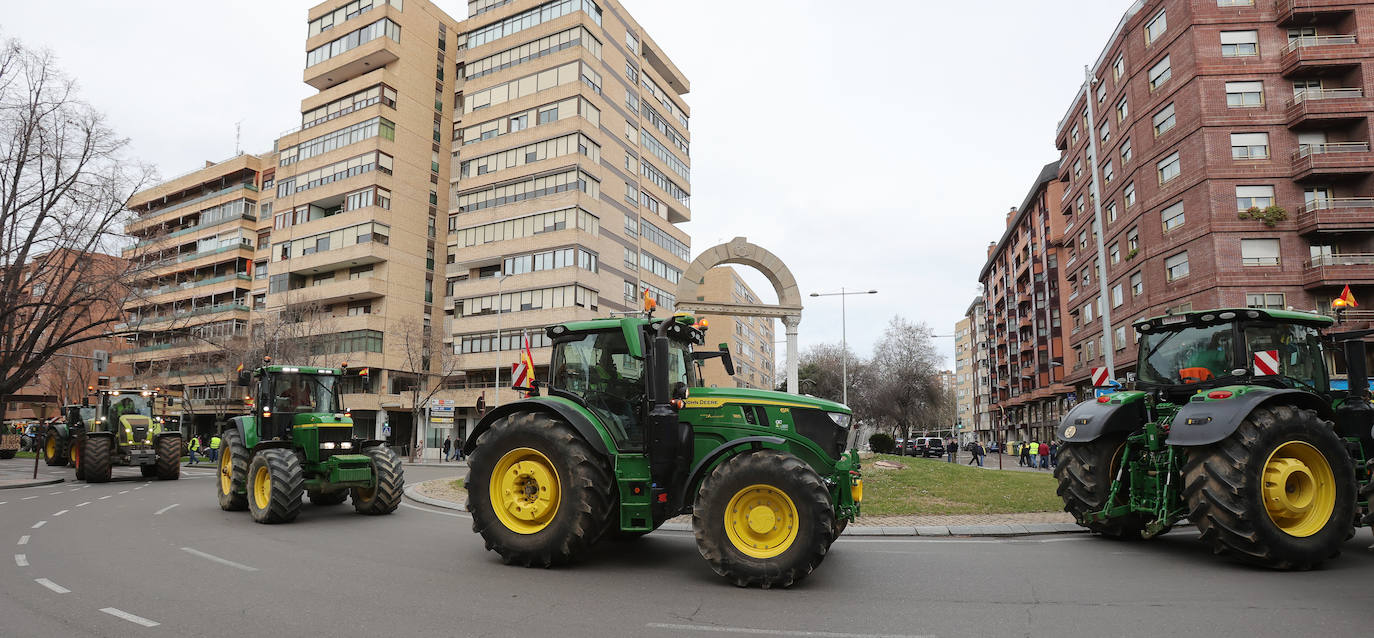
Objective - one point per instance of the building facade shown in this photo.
(980, 367)
(965, 380)
(1021, 282)
(751, 339)
(1235, 166)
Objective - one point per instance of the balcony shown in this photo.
(1293, 13)
(173, 292)
(1354, 269)
(1332, 159)
(1338, 215)
(1328, 106)
(337, 291)
(1310, 53)
(346, 66)
(331, 260)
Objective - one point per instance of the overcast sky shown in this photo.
(878, 148)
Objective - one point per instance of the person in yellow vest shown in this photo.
(1034, 452)
(192, 448)
(214, 447)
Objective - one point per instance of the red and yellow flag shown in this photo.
(1347, 299)
(649, 302)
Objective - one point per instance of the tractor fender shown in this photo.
(62, 432)
(108, 435)
(1202, 422)
(267, 445)
(709, 460)
(580, 422)
(1089, 420)
(237, 424)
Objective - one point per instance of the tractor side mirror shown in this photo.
(727, 360)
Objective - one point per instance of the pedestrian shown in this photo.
(975, 451)
(1044, 456)
(951, 450)
(214, 447)
(448, 446)
(1032, 454)
(192, 448)
(1023, 458)
(1054, 455)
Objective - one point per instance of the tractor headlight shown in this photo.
(346, 445)
(327, 445)
(841, 419)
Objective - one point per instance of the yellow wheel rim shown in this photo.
(761, 521)
(50, 450)
(262, 487)
(226, 466)
(1299, 489)
(525, 490)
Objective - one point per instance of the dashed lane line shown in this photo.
(21, 560)
(83, 504)
(51, 493)
(138, 620)
(161, 511)
(39, 524)
(719, 629)
(24, 540)
(105, 496)
(61, 512)
(222, 561)
(124, 492)
(29, 498)
(53, 586)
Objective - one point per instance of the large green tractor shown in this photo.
(299, 441)
(1231, 424)
(626, 439)
(118, 430)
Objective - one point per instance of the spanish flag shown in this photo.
(1347, 298)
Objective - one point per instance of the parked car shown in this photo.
(928, 446)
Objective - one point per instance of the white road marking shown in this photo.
(140, 487)
(21, 560)
(139, 620)
(165, 509)
(51, 493)
(39, 524)
(106, 496)
(426, 509)
(965, 541)
(125, 492)
(61, 512)
(83, 504)
(73, 489)
(212, 557)
(53, 586)
(3, 502)
(773, 632)
(30, 498)
(24, 540)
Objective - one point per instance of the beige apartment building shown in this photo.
(750, 339)
(570, 175)
(965, 380)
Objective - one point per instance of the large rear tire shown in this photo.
(539, 495)
(168, 467)
(763, 519)
(55, 448)
(1278, 492)
(1085, 472)
(232, 480)
(276, 484)
(96, 458)
(390, 484)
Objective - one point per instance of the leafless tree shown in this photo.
(900, 388)
(430, 366)
(64, 184)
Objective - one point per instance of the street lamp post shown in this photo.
(500, 281)
(844, 343)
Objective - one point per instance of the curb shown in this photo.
(414, 494)
(31, 483)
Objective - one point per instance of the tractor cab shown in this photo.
(1180, 355)
(128, 414)
(288, 395)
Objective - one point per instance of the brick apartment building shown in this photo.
(1205, 110)
(1022, 282)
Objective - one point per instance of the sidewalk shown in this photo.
(17, 473)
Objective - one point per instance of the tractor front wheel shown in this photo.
(54, 448)
(276, 484)
(233, 473)
(1279, 492)
(539, 495)
(168, 466)
(763, 518)
(388, 486)
(96, 459)
(1085, 472)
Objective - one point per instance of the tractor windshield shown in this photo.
(680, 368)
(1193, 354)
(1287, 350)
(125, 405)
(598, 367)
(300, 393)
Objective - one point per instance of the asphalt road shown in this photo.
(139, 558)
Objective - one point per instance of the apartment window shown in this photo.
(1176, 267)
(1111, 212)
(1172, 217)
(1119, 338)
(1129, 194)
(1115, 253)
(631, 72)
(1164, 120)
(1237, 44)
(1268, 300)
(1160, 73)
(1106, 131)
(1101, 91)
(1078, 168)
(1125, 151)
(1259, 252)
(1248, 197)
(1244, 94)
(1132, 241)
(1118, 297)
(1073, 134)
(1249, 146)
(1119, 67)
(528, 19)
(1108, 173)
(1083, 240)
(1168, 168)
(1156, 27)
(1137, 284)
(1087, 313)
(1122, 110)
(631, 194)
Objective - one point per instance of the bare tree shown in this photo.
(431, 366)
(900, 388)
(64, 184)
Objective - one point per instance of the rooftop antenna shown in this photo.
(238, 130)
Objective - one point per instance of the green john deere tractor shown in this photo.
(299, 441)
(626, 439)
(120, 429)
(1233, 425)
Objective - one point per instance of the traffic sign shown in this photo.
(386, 430)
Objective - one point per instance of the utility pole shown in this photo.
(1104, 310)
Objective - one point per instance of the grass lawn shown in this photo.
(457, 485)
(932, 486)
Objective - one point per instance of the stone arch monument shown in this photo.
(740, 251)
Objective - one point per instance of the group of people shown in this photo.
(204, 446)
(452, 451)
(976, 452)
(1036, 454)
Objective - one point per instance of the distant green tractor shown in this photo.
(1231, 424)
(627, 439)
(120, 429)
(299, 441)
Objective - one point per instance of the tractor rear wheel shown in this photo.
(388, 487)
(168, 467)
(96, 459)
(538, 493)
(276, 484)
(54, 448)
(326, 498)
(1278, 492)
(1085, 472)
(233, 473)
(763, 518)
